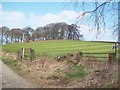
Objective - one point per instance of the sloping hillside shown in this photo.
(54, 48)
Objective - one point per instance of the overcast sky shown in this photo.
(35, 14)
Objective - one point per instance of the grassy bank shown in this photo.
(11, 63)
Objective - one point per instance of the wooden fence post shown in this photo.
(23, 51)
(81, 54)
(109, 57)
(114, 56)
(32, 54)
(31, 58)
(20, 54)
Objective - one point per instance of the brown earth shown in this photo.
(51, 74)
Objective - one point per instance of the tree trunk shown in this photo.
(15, 39)
(6, 39)
(69, 35)
(11, 39)
(2, 38)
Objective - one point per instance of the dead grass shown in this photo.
(45, 73)
(8, 55)
(48, 73)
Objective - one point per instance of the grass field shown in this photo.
(53, 48)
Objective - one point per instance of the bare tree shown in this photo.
(16, 34)
(61, 30)
(37, 34)
(97, 14)
(4, 33)
(27, 33)
(73, 32)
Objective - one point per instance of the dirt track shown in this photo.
(9, 79)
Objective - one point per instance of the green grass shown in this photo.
(76, 72)
(11, 63)
(54, 48)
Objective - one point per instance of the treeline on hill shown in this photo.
(50, 31)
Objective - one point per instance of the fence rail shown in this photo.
(109, 55)
(95, 57)
(95, 52)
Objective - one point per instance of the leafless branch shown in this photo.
(84, 13)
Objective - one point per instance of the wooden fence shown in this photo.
(26, 53)
(76, 57)
(109, 56)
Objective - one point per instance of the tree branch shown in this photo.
(83, 14)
